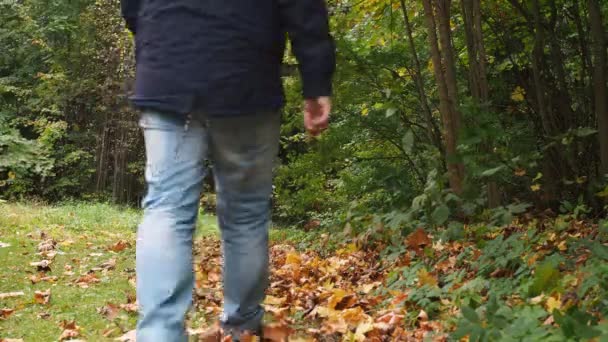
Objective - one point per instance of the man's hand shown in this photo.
(316, 114)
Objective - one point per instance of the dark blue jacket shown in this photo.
(223, 57)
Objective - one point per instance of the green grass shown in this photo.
(84, 231)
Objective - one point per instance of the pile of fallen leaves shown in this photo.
(314, 298)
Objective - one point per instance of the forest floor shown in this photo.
(67, 272)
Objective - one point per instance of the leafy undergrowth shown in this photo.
(526, 282)
(67, 273)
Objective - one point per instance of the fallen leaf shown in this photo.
(335, 298)
(109, 311)
(212, 334)
(47, 245)
(11, 294)
(44, 315)
(11, 340)
(271, 300)
(418, 240)
(4, 244)
(4, 313)
(293, 259)
(42, 297)
(367, 288)
(87, 279)
(109, 265)
(39, 278)
(276, 332)
(425, 278)
(363, 329)
(553, 303)
(119, 246)
(70, 330)
(67, 243)
(42, 266)
(423, 316)
(130, 307)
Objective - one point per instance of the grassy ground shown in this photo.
(532, 280)
(86, 235)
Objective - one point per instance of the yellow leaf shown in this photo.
(293, 259)
(402, 72)
(535, 187)
(335, 298)
(362, 329)
(425, 278)
(272, 300)
(351, 247)
(562, 246)
(367, 288)
(365, 111)
(11, 175)
(518, 95)
(553, 303)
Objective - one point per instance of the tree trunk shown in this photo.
(600, 71)
(447, 91)
(478, 80)
(432, 130)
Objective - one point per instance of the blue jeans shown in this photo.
(242, 150)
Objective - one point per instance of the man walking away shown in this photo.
(208, 84)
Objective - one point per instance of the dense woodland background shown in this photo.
(442, 108)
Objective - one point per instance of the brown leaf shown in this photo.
(11, 294)
(4, 313)
(109, 265)
(277, 332)
(41, 277)
(43, 315)
(68, 334)
(347, 302)
(212, 334)
(42, 297)
(418, 240)
(119, 246)
(70, 330)
(85, 280)
(109, 311)
(42, 266)
(130, 307)
(47, 245)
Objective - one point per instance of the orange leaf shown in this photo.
(119, 246)
(277, 332)
(4, 313)
(42, 297)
